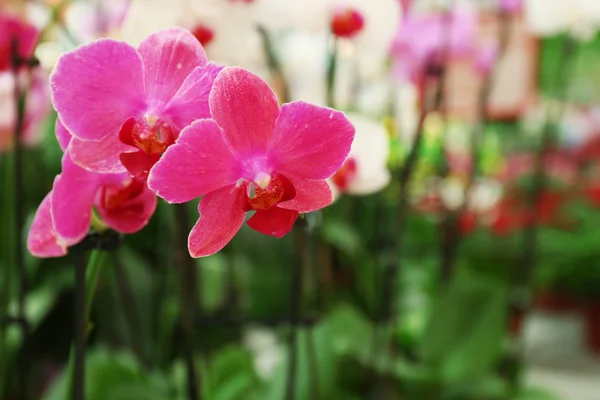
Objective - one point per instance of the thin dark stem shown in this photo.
(19, 97)
(232, 297)
(331, 72)
(451, 237)
(392, 270)
(189, 298)
(448, 232)
(300, 233)
(80, 327)
(530, 234)
(312, 363)
(130, 309)
(274, 65)
(313, 267)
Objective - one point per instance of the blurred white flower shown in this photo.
(580, 18)
(145, 17)
(265, 349)
(365, 170)
(485, 194)
(452, 192)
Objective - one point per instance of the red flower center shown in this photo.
(151, 137)
(279, 189)
(345, 174)
(347, 22)
(113, 197)
(204, 34)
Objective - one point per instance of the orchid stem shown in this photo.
(86, 283)
(530, 233)
(274, 65)
(19, 98)
(7, 264)
(331, 72)
(188, 281)
(300, 236)
(451, 234)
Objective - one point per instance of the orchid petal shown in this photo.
(310, 142)
(132, 215)
(245, 108)
(62, 135)
(72, 199)
(100, 157)
(310, 196)
(221, 216)
(273, 222)
(169, 56)
(42, 240)
(198, 163)
(97, 87)
(191, 100)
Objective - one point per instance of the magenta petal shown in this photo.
(97, 87)
(221, 216)
(42, 240)
(100, 157)
(62, 135)
(198, 163)
(131, 216)
(191, 100)
(245, 107)
(72, 198)
(169, 55)
(274, 222)
(310, 196)
(25, 34)
(309, 141)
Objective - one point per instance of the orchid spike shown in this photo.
(252, 156)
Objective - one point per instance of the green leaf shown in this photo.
(344, 332)
(342, 236)
(535, 394)
(213, 278)
(111, 375)
(465, 332)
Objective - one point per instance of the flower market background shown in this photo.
(459, 259)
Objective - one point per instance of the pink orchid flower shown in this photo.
(252, 155)
(125, 106)
(510, 6)
(421, 41)
(63, 219)
(12, 28)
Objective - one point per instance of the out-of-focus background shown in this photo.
(460, 259)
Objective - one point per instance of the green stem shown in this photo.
(92, 274)
(331, 72)
(6, 262)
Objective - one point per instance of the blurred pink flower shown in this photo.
(11, 29)
(486, 57)
(253, 155)
(36, 108)
(510, 6)
(125, 106)
(125, 204)
(421, 40)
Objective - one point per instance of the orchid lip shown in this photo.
(262, 179)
